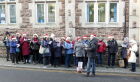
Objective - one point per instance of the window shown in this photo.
(12, 9)
(134, 12)
(90, 12)
(51, 13)
(7, 12)
(40, 13)
(45, 13)
(101, 12)
(2, 14)
(134, 24)
(113, 12)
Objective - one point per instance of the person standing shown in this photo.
(100, 51)
(25, 46)
(35, 48)
(13, 46)
(6, 42)
(45, 43)
(68, 46)
(91, 49)
(79, 50)
(57, 51)
(112, 50)
(19, 52)
(132, 57)
(124, 51)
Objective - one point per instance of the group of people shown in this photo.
(63, 51)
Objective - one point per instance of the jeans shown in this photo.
(111, 57)
(100, 57)
(8, 53)
(68, 60)
(91, 65)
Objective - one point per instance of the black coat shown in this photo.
(112, 46)
(92, 48)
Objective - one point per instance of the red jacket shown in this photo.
(25, 46)
(102, 47)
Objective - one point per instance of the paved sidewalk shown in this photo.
(4, 63)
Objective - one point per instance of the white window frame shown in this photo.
(7, 11)
(9, 14)
(45, 13)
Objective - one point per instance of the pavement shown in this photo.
(22, 75)
(115, 70)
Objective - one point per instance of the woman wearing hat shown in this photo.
(13, 46)
(35, 48)
(132, 58)
(25, 46)
(45, 43)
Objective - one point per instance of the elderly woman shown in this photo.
(79, 50)
(132, 57)
(124, 48)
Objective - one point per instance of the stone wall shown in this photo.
(103, 32)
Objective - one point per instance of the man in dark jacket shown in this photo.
(6, 42)
(91, 49)
(112, 50)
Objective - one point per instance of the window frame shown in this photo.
(87, 21)
(104, 13)
(46, 21)
(116, 12)
(7, 4)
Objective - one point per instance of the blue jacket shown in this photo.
(68, 48)
(13, 46)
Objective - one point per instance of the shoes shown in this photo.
(93, 75)
(132, 70)
(87, 75)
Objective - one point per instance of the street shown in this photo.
(9, 74)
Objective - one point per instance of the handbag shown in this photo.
(46, 50)
(121, 63)
(41, 50)
(17, 50)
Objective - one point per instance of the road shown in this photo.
(36, 75)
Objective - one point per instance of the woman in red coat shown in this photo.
(101, 50)
(25, 46)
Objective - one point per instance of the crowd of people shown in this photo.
(65, 51)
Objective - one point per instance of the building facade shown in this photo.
(64, 17)
(134, 24)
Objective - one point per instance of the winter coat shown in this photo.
(133, 49)
(35, 44)
(57, 49)
(46, 44)
(13, 46)
(92, 48)
(25, 46)
(79, 49)
(112, 46)
(6, 42)
(101, 47)
(68, 47)
(124, 49)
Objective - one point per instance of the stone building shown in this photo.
(64, 17)
(134, 21)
